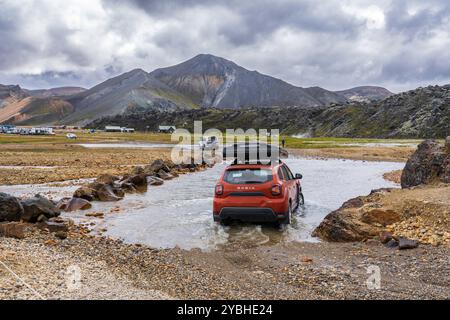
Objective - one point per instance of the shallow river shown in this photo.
(178, 213)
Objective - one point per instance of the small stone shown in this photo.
(61, 235)
(391, 244)
(95, 214)
(385, 237)
(53, 226)
(404, 243)
(50, 243)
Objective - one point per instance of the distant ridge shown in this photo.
(365, 93)
(205, 81)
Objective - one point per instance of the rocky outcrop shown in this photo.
(418, 213)
(356, 220)
(10, 208)
(429, 163)
(38, 209)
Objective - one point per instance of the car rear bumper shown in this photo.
(249, 214)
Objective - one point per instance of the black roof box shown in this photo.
(254, 152)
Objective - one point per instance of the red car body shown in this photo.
(257, 193)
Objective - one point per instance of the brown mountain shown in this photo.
(55, 92)
(211, 81)
(205, 81)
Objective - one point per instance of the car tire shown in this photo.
(300, 199)
(288, 218)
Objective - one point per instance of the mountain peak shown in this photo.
(209, 58)
(137, 71)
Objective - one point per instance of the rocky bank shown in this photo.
(18, 215)
(417, 213)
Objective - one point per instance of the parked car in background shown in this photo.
(209, 143)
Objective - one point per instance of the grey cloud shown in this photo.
(304, 42)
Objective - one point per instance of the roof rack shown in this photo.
(236, 162)
(254, 153)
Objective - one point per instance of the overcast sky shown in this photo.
(333, 44)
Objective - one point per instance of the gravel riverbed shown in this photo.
(109, 269)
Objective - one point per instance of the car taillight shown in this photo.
(276, 190)
(219, 189)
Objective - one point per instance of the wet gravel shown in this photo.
(110, 269)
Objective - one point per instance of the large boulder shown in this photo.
(344, 225)
(99, 191)
(74, 204)
(10, 208)
(139, 180)
(16, 230)
(154, 181)
(85, 193)
(106, 193)
(429, 163)
(134, 183)
(37, 207)
(155, 167)
(356, 220)
(164, 175)
(107, 179)
(128, 187)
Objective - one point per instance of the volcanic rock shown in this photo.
(37, 206)
(10, 208)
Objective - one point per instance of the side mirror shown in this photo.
(298, 176)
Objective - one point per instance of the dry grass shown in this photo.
(68, 162)
(400, 154)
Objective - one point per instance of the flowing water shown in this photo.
(179, 213)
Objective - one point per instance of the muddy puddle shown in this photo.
(178, 213)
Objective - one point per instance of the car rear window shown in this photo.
(248, 176)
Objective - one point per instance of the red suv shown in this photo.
(257, 193)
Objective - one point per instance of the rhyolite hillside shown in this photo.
(420, 113)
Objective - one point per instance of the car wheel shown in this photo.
(288, 218)
(301, 199)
